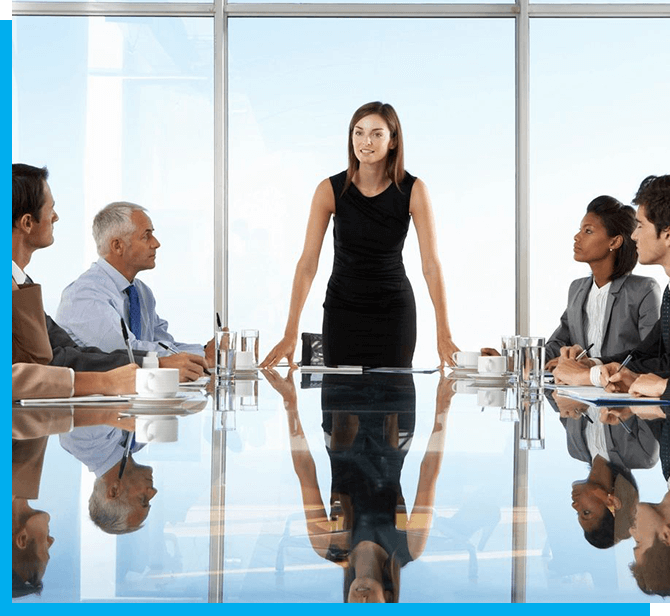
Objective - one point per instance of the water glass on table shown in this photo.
(247, 357)
(225, 344)
(530, 369)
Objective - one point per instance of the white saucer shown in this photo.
(167, 412)
(490, 375)
(175, 400)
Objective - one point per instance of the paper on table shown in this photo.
(600, 396)
(327, 369)
(402, 370)
(74, 400)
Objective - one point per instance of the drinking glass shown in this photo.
(225, 342)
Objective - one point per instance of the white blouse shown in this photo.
(595, 316)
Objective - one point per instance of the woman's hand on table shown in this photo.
(446, 349)
(284, 349)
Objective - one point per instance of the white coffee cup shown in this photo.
(156, 428)
(157, 382)
(491, 397)
(466, 359)
(491, 365)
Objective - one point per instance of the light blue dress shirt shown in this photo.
(98, 447)
(91, 308)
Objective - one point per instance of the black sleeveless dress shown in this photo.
(369, 314)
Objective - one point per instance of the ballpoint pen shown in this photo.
(624, 363)
(624, 426)
(218, 320)
(173, 352)
(167, 348)
(126, 452)
(124, 330)
(584, 352)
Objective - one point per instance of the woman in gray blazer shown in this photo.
(611, 308)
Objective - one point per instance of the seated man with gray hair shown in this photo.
(91, 306)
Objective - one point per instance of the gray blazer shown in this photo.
(633, 308)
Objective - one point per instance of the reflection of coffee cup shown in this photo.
(464, 387)
(466, 359)
(157, 382)
(491, 397)
(491, 365)
(156, 429)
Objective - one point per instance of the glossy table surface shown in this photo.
(481, 482)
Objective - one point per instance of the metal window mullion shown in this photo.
(220, 284)
(522, 286)
(405, 10)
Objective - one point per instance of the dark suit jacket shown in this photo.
(83, 359)
(636, 450)
(650, 356)
(65, 351)
(633, 307)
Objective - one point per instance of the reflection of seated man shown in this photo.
(604, 500)
(30, 547)
(117, 505)
(651, 531)
(30, 527)
(652, 356)
(91, 306)
(368, 430)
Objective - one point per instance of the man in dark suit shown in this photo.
(649, 367)
(33, 217)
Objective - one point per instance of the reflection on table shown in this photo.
(332, 488)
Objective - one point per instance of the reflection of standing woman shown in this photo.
(369, 312)
(612, 308)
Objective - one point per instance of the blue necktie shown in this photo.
(134, 312)
(665, 448)
(665, 318)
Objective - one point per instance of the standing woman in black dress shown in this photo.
(369, 312)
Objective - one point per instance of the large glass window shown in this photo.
(121, 109)
(294, 85)
(599, 126)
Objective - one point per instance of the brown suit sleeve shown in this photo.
(30, 339)
(37, 381)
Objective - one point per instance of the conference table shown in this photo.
(258, 487)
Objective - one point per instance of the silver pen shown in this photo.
(584, 352)
(124, 331)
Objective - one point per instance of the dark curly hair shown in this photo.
(603, 536)
(618, 219)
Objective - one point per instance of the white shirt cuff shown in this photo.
(594, 375)
(72, 379)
